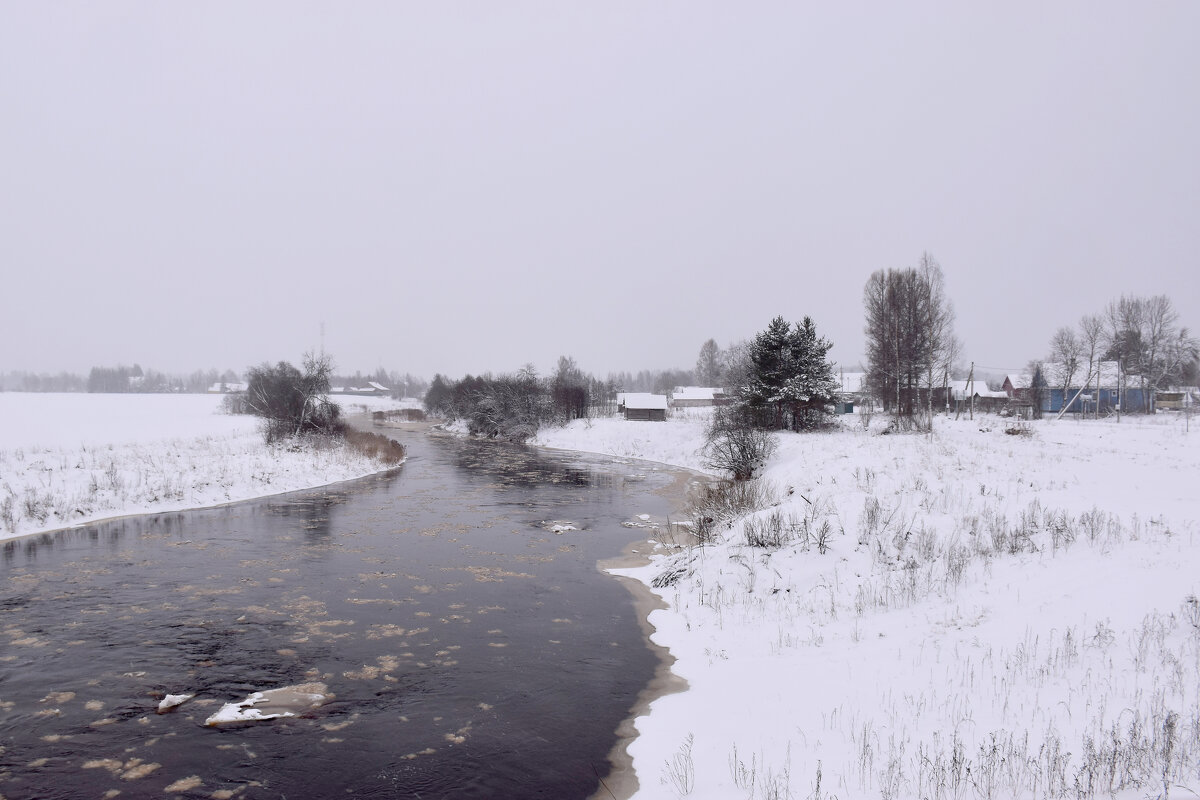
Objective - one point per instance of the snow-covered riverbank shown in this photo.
(975, 614)
(67, 459)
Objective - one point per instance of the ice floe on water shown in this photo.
(640, 521)
(286, 701)
(173, 701)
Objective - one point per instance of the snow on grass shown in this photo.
(675, 442)
(70, 458)
(974, 614)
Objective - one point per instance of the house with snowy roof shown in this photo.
(643, 406)
(697, 396)
(370, 389)
(1103, 392)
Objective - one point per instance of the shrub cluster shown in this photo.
(736, 444)
(294, 402)
(513, 407)
(375, 446)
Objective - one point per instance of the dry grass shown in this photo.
(376, 447)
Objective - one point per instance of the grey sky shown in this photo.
(461, 187)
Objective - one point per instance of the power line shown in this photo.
(1001, 369)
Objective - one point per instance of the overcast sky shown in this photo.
(464, 187)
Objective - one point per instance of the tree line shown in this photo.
(123, 379)
(514, 406)
(399, 384)
(119, 379)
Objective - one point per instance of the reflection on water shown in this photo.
(471, 650)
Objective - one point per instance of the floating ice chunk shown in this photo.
(287, 701)
(172, 701)
(560, 525)
(643, 517)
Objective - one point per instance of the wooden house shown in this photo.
(1102, 394)
(697, 397)
(642, 406)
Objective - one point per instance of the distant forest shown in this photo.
(120, 379)
(123, 379)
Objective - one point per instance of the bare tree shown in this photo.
(1163, 345)
(569, 390)
(1125, 321)
(1066, 351)
(938, 324)
(886, 296)
(951, 353)
(1144, 335)
(910, 334)
(1091, 338)
(1180, 357)
(708, 364)
(735, 367)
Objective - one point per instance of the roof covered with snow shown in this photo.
(696, 392)
(645, 400)
(1055, 373)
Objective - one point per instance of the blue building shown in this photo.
(1104, 399)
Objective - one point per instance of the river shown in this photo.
(471, 650)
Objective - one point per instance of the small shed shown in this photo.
(645, 407)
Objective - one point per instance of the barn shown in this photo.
(645, 407)
(697, 397)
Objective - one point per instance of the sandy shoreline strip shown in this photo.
(622, 782)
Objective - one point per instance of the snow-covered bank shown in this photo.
(71, 458)
(676, 442)
(973, 615)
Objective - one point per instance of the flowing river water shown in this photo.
(471, 650)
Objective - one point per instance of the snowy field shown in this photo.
(66, 459)
(971, 615)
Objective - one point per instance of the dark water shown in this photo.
(472, 652)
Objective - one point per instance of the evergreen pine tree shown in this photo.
(790, 381)
(811, 385)
(770, 357)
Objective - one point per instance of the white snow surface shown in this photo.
(994, 615)
(675, 442)
(67, 459)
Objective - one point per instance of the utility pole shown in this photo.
(1119, 386)
(971, 388)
